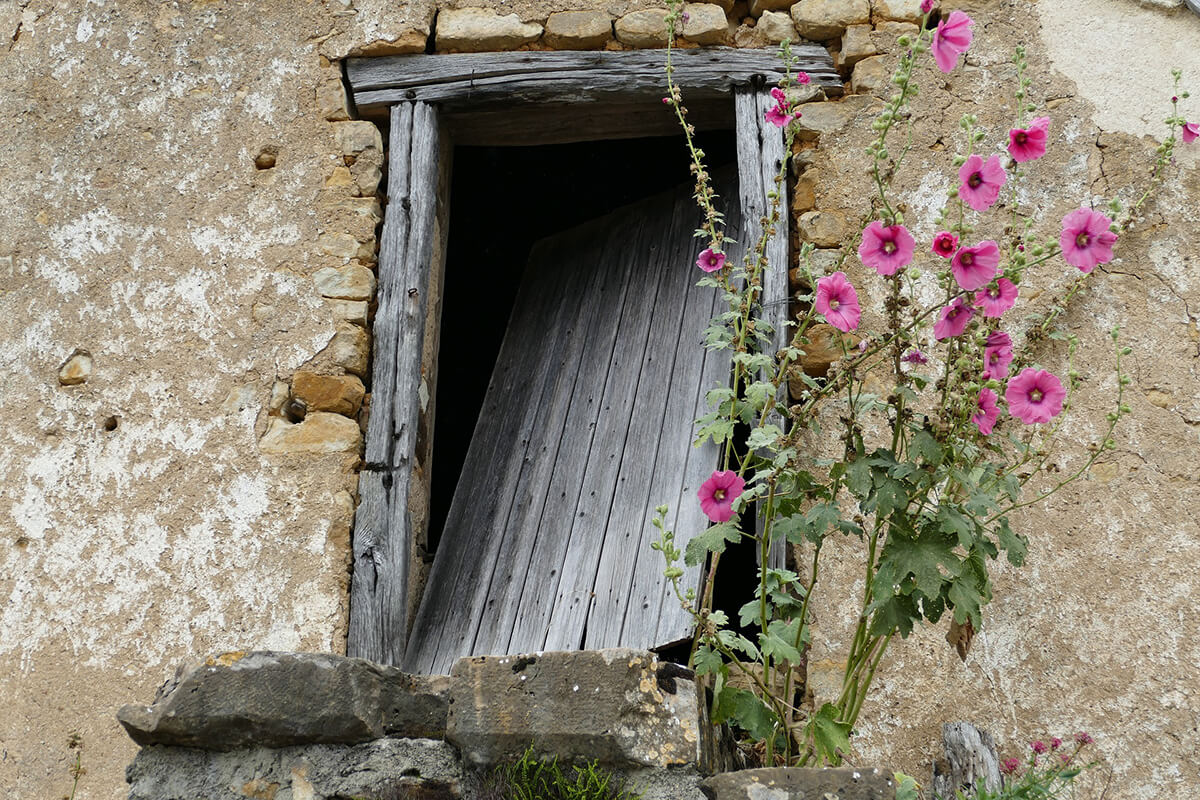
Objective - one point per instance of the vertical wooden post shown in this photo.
(760, 156)
(383, 529)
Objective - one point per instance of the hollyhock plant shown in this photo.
(951, 39)
(997, 355)
(914, 356)
(838, 302)
(981, 182)
(711, 260)
(997, 298)
(988, 412)
(944, 244)
(1190, 131)
(1086, 239)
(952, 320)
(778, 114)
(974, 267)
(718, 493)
(1028, 144)
(886, 249)
(1035, 396)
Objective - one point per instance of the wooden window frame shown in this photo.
(431, 103)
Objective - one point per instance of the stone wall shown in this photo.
(188, 202)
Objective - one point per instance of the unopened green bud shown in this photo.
(1126, 351)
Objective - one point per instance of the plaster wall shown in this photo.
(138, 226)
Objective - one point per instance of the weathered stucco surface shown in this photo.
(138, 227)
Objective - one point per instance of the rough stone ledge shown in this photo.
(271, 699)
(787, 783)
(383, 768)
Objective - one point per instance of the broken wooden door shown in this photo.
(587, 426)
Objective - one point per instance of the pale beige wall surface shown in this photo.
(135, 225)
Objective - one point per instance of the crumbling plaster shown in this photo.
(137, 226)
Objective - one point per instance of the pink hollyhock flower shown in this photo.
(1027, 144)
(974, 267)
(997, 355)
(711, 260)
(802, 77)
(718, 493)
(777, 115)
(926, 6)
(944, 244)
(952, 320)
(1035, 396)
(981, 181)
(886, 249)
(1038, 747)
(778, 96)
(838, 302)
(914, 356)
(997, 298)
(951, 39)
(1190, 131)
(985, 418)
(1009, 766)
(1086, 240)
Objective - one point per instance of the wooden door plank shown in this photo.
(534, 609)
(657, 433)
(565, 335)
(460, 580)
(760, 155)
(382, 531)
(488, 79)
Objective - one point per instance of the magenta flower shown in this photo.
(711, 260)
(1086, 240)
(1055, 743)
(777, 115)
(1035, 396)
(914, 356)
(1038, 747)
(926, 6)
(988, 412)
(944, 244)
(886, 249)
(952, 320)
(981, 181)
(1027, 144)
(802, 77)
(997, 355)
(718, 493)
(838, 302)
(974, 267)
(951, 39)
(1190, 131)
(1083, 738)
(997, 298)
(1009, 766)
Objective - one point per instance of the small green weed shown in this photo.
(531, 779)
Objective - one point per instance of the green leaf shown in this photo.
(952, 521)
(766, 436)
(893, 612)
(706, 660)
(907, 787)
(858, 478)
(759, 393)
(794, 528)
(778, 641)
(1014, 545)
(745, 710)
(712, 540)
(821, 518)
(719, 431)
(923, 557)
(831, 737)
(735, 641)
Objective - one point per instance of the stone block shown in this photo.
(350, 282)
(272, 699)
(331, 96)
(822, 228)
(338, 394)
(873, 76)
(706, 23)
(578, 30)
(804, 192)
(646, 28)
(857, 44)
(352, 311)
(900, 10)
(350, 349)
(411, 768)
(338, 245)
(823, 349)
(818, 119)
(474, 30)
(320, 433)
(76, 369)
(821, 20)
(356, 136)
(621, 707)
(793, 783)
(758, 7)
(776, 26)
